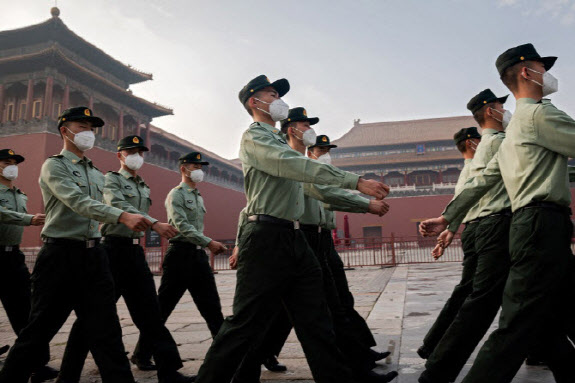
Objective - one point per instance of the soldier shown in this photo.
(133, 280)
(296, 128)
(71, 270)
(493, 217)
(532, 161)
(273, 175)
(14, 274)
(466, 141)
(186, 265)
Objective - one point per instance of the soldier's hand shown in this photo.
(135, 222)
(165, 229)
(38, 220)
(216, 247)
(373, 188)
(233, 259)
(443, 242)
(378, 207)
(433, 227)
(437, 251)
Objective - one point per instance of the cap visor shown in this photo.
(502, 99)
(18, 158)
(203, 163)
(96, 121)
(281, 85)
(313, 120)
(144, 149)
(548, 62)
(324, 146)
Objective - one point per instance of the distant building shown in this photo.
(46, 68)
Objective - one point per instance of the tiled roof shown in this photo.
(403, 132)
(398, 158)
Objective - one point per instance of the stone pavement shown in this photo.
(399, 303)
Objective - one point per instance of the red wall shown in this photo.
(223, 205)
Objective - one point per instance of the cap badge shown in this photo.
(305, 112)
(522, 58)
(484, 101)
(11, 152)
(136, 140)
(324, 139)
(469, 135)
(267, 79)
(87, 112)
(199, 157)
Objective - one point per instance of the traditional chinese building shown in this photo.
(46, 68)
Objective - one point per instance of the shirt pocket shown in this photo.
(7, 204)
(191, 209)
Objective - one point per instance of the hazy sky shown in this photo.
(377, 60)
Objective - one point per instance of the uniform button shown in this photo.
(91, 226)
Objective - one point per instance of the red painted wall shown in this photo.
(223, 205)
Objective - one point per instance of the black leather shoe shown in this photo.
(44, 373)
(376, 355)
(4, 349)
(273, 365)
(423, 352)
(374, 377)
(143, 365)
(176, 377)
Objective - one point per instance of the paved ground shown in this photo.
(400, 304)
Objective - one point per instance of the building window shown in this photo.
(21, 111)
(37, 109)
(56, 110)
(10, 115)
(422, 179)
(112, 132)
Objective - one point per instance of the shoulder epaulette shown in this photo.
(113, 172)
(20, 191)
(57, 156)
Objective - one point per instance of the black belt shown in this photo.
(547, 205)
(264, 218)
(311, 228)
(88, 244)
(186, 244)
(504, 212)
(122, 241)
(8, 249)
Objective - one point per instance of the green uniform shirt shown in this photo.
(72, 189)
(532, 160)
(186, 212)
(330, 222)
(274, 173)
(130, 194)
(13, 207)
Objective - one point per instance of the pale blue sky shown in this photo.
(376, 60)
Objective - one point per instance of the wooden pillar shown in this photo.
(1, 103)
(138, 129)
(148, 135)
(29, 100)
(66, 100)
(91, 103)
(48, 96)
(405, 178)
(440, 177)
(121, 125)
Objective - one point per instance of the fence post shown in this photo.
(392, 243)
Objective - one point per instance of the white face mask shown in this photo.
(196, 175)
(278, 109)
(550, 83)
(506, 117)
(324, 159)
(309, 137)
(83, 140)
(10, 172)
(134, 161)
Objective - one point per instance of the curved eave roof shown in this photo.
(55, 30)
(56, 58)
(402, 158)
(403, 132)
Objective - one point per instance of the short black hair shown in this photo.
(479, 114)
(288, 125)
(509, 77)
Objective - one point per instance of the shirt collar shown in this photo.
(526, 101)
(489, 131)
(4, 188)
(187, 188)
(272, 129)
(127, 175)
(468, 160)
(74, 158)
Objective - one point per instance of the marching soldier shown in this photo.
(186, 265)
(14, 274)
(72, 271)
(466, 141)
(492, 217)
(532, 161)
(273, 175)
(133, 280)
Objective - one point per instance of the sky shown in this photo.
(374, 60)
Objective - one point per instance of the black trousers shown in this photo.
(15, 293)
(537, 308)
(134, 281)
(480, 307)
(355, 352)
(360, 328)
(275, 263)
(186, 268)
(68, 276)
(460, 292)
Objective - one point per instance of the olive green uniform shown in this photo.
(275, 202)
(72, 272)
(133, 280)
(493, 217)
(465, 285)
(532, 161)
